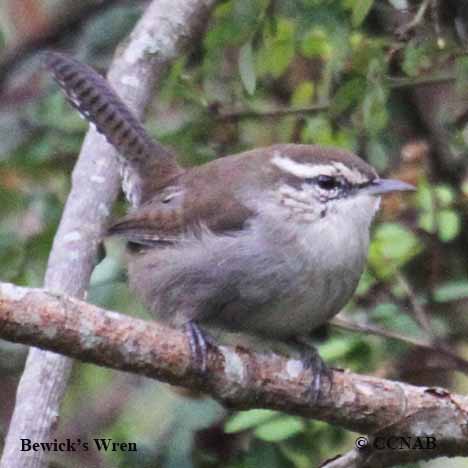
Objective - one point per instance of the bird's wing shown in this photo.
(188, 207)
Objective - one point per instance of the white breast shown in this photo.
(327, 257)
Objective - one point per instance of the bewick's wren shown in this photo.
(270, 242)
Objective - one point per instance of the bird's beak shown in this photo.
(380, 186)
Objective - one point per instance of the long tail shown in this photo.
(92, 96)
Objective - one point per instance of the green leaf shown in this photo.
(233, 22)
(348, 94)
(424, 196)
(391, 317)
(318, 131)
(448, 223)
(316, 43)
(277, 50)
(378, 153)
(392, 246)
(336, 347)
(445, 195)
(427, 221)
(375, 110)
(247, 67)
(248, 419)
(445, 222)
(262, 455)
(452, 291)
(416, 58)
(361, 8)
(365, 283)
(303, 94)
(280, 428)
(295, 455)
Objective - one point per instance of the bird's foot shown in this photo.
(321, 373)
(198, 343)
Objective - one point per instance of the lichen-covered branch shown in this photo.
(239, 378)
(163, 32)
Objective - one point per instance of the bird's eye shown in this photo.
(326, 182)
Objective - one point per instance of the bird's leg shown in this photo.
(198, 347)
(312, 360)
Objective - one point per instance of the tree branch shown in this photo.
(165, 29)
(238, 378)
(392, 82)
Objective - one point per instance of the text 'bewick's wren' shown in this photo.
(269, 242)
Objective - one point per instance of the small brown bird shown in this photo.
(270, 242)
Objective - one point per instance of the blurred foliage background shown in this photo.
(387, 79)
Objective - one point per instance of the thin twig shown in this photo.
(392, 82)
(419, 312)
(459, 363)
(378, 331)
(252, 114)
(417, 18)
(397, 83)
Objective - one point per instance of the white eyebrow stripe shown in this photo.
(310, 171)
(302, 170)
